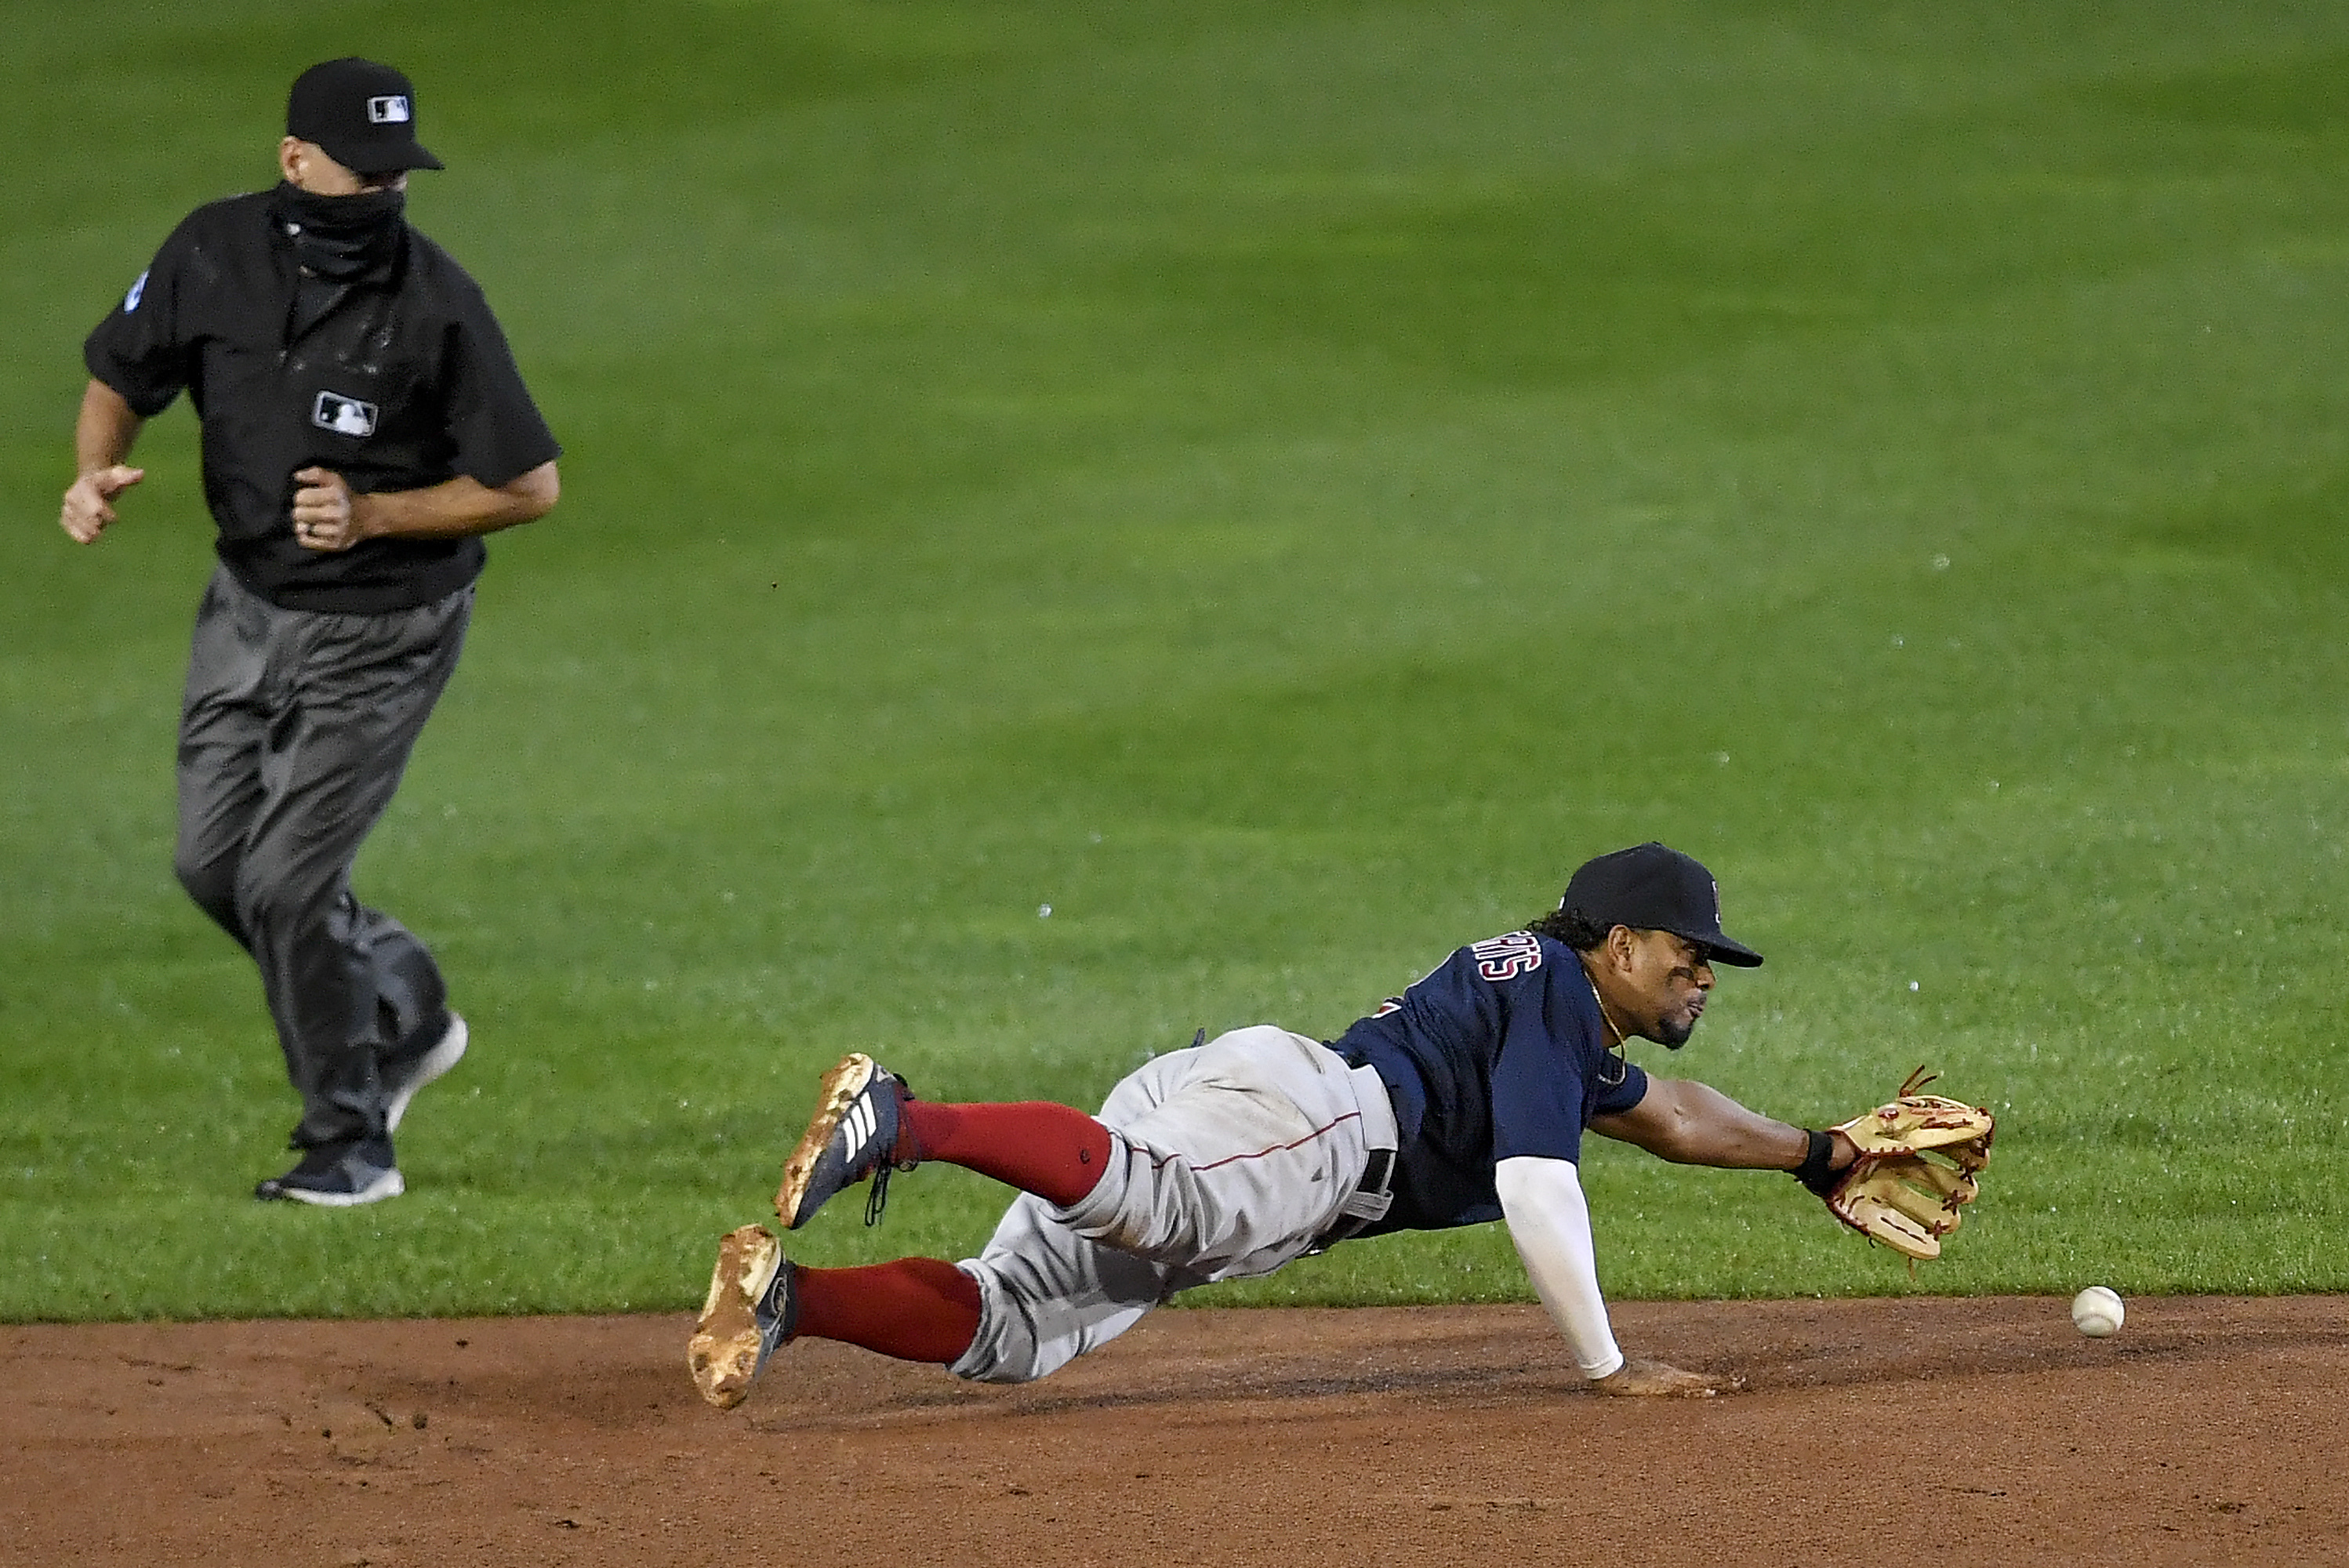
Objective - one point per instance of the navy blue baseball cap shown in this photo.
(1651, 888)
(363, 114)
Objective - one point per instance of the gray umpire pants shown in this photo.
(294, 732)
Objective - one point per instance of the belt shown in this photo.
(1373, 1195)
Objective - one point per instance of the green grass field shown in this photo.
(1278, 485)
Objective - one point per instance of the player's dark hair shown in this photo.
(1579, 930)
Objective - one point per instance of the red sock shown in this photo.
(916, 1309)
(1053, 1151)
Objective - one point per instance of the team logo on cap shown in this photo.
(342, 415)
(138, 292)
(390, 109)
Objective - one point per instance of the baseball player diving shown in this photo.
(1464, 1099)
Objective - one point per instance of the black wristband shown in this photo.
(1814, 1171)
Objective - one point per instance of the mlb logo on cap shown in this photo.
(1651, 887)
(362, 113)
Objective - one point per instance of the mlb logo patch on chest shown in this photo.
(342, 415)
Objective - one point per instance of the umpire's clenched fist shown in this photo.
(325, 517)
(89, 500)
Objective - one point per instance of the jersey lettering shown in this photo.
(1500, 958)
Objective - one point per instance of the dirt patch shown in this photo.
(2208, 1431)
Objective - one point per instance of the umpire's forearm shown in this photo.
(457, 508)
(105, 429)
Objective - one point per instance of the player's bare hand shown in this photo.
(326, 513)
(89, 507)
(1654, 1379)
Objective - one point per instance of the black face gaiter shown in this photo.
(341, 238)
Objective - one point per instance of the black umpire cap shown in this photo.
(1651, 888)
(363, 114)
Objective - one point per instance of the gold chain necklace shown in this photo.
(1606, 1016)
(1623, 1062)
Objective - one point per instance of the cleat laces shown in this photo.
(876, 1196)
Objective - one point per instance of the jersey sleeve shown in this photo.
(499, 434)
(1539, 1079)
(1622, 1092)
(138, 349)
(1555, 1070)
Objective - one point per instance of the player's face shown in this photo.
(1668, 977)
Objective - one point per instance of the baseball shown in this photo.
(2097, 1312)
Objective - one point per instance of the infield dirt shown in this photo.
(1933, 1429)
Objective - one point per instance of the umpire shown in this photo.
(363, 424)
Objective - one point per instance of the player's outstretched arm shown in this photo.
(1549, 1221)
(1551, 1226)
(1690, 1123)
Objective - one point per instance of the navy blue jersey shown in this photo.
(1499, 1052)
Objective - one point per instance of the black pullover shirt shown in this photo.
(397, 381)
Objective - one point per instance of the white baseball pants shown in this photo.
(1226, 1160)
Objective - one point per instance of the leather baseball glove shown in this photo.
(1918, 1157)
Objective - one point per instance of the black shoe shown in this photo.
(340, 1176)
(852, 1137)
(424, 1056)
(752, 1308)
